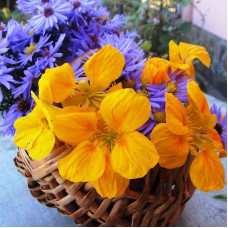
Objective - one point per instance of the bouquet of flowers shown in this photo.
(121, 116)
(57, 32)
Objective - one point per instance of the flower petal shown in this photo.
(176, 115)
(48, 111)
(207, 172)
(189, 52)
(85, 163)
(174, 55)
(45, 93)
(74, 127)
(172, 149)
(110, 184)
(27, 130)
(61, 82)
(156, 71)
(197, 98)
(124, 110)
(77, 99)
(104, 67)
(133, 155)
(43, 145)
(202, 110)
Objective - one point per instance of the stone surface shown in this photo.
(19, 209)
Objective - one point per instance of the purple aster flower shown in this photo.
(5, 78)
(221, 126)
(177, 85)
(50, 15)
(81, 8)
(3, 45)
(18, 36)
(17, 110)
(50, 53)
(116, 23)
(26, 84)
(157, 116)
(33, 48)
(29, 6)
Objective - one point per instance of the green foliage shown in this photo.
(155, 27)
(6, 15)
(221, 196)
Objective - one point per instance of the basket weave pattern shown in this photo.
(155, 200)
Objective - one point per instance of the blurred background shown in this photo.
(202, 22)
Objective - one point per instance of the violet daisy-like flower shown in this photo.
(81, 8)
(5, 78)
(177, 85)
(18, 36)
(116, 23)
(30, 6)
(50, 53)
(24, 89)
(17, 110)
(221, 126)
(50, 15)
(33, 48)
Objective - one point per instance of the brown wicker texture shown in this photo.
(155, 200)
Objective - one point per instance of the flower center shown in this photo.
(76, 4)
(107, 138)
(45, 52)
(31, 32)
(23, 106)
(90, 95)
(44, 1)
(29, 50)
(172, 88)
(159, 117)
(48, 12)
(218, 127)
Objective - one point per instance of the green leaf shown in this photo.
(146, 46)
(220, 196)
(185, 27)
(186, 2)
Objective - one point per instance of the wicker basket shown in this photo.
(155, 200)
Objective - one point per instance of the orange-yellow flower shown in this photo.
(156, 71)
(59, 84)
(34, 132)
(189, 129)
(109, 150)
(186, 53)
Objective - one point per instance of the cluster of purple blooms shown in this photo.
(59, 31)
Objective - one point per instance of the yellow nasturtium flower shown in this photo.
(188, 129)
(101, 70)
(186, 53)
(34, 132)
(59, 84)
(109, 150)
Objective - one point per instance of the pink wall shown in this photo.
(215, 12)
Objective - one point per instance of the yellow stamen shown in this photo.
(172, 88)
(31, 32)
(159, 117)
(29, 50)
